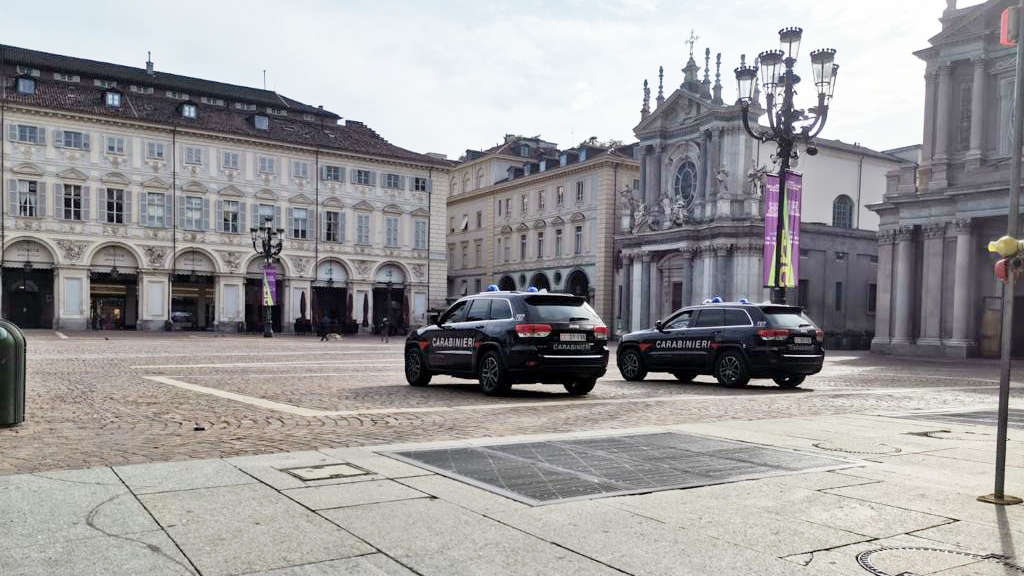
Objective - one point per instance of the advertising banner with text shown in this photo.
(269, 285)
(790, 244)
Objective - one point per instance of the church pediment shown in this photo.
(194, 187)
(421, 212)
(557, 221)
(115, 178)
(983, 19)
(522, 227)
(540, 224)
(72, 174)
(266, 194)
(300, 199)
(506, 229)
(364, 205)
(27, 169)
(577, 217)
(333, 201)
(392, 209)
(230, 190)
(679, 108)
(156, 182)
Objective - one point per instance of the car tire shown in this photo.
(580, 387)
(416, 373)
(685, 377)
(789, 381)
(731, 369)
(631, 365)
(492, 376)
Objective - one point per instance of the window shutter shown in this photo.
(180, 222)
(127, 211)
(168, 209)
(277, 217)
(355, 176)
(373, 178)
(206, 213)
(12, 197)
(323, 173)
(401, 182)
(341, 174)
(291, 223)
(341, 227)
(323, 226)
(58, 206)
(205, 156)
(219, 215)
(41, 135)
(256, 215)
(12, 132)
(58, 138)
(101, 204)
(85, 141)
(430, 185)
(241, 217)
(41, 199)
(85, 202)
(143, 197)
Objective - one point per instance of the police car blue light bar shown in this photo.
(493, 288)
(717, 300)
(532, 289)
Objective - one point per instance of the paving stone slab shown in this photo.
(469, 497)
(174, 476)
(434, 537)
(932, 499)
(352, 494)
(369, 565)
(903, 555)
(1000, 536)
(248, 528)
(150, 553)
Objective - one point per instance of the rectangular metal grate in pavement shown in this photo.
(539, 473)
(975, 418)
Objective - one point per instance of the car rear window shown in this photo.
(787, 318)
(559, 309)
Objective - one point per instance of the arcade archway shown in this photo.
(507, 283)
(578, 284)
(113, 288)
(540, 281)
(390, 299)
(331, 310)
(28, 284)
(194, 291)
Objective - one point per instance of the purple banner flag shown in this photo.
(269, 285)
(771, 228)
(790, 244)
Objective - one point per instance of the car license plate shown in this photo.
(572, 337)
(801, 340)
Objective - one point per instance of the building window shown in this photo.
(522, 247)
(524, 151)
(465, 254)
(28, 134)
(803, 293)
(479, 177)
(193, 213)
(155, 150)
(508, 250)
(451, 255)
(266, 165)
(685, 182)
(231, 161)
(391, 231)
(28, 198)
(155, 216)
(872, 297)
(479, 219)
(115, 206)
(363, 177)
(300, 223)
(266, 214)
(26, 86)
(261, 122)
(451, 223)
(363, 229)
(478, 258)
(115, 145)
(300, 170)
(476, 285)
(578, 241)
(331, 227)
(560, 196)
(112, 99)
(332, 173)
(421, 235)
(839, 296)
(558, 243)
(193, 155)
(636, 183)
(419, 184)
(525, 201)
(540, 245)
(842, 212)
(72, 202)
(230, 216)
(579, 192)
(392, 181)
(540, 200)
(76, 140)
(190, 111)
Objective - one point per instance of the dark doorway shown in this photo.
(507, 283)
(390, 299)
(330, 309)
(28, 297)
(540, 281)
(254, 306)
(577, 284)
(113, 301)
(677, 296)
(193, 299)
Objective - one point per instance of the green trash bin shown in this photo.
(12, 374)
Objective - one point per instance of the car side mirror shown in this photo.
(433, 318)
(659, 326)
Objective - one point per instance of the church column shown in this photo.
(927, 141)
(645, 290)
(626, 279)
(687, 295)
(904, 301)
(940, 160)
(636, 295)
(977, 114)
(658, 159)
(708, 261)
(712, 161)
(963, 279)
(656, 291)
(931, 285)
(643, 174)
(883, 290)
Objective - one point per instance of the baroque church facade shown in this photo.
(694, 228)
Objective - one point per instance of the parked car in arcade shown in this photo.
(733, 341)
(505, 338)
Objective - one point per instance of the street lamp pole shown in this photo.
(268, 243)
(788, 126)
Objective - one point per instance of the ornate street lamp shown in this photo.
(268, 243)
(787, 126)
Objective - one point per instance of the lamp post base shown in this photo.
(778, 296)
(1006, 500)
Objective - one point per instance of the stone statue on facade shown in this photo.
(627, 205)
(721, 181)
(680, 215)
(640, 217)
(756, 178)
(666, 208)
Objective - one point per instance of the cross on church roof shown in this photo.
(692, 40)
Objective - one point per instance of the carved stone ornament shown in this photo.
(905, 233)
(935, 230)
(963, 225)
(232, 260)
(155, 255)
(72, 251)
(417, 271)
(640, 217)
(301, 264)
(363, 267)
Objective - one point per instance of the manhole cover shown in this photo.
(882, 561)
(326, 472)
(857, 447)
(558, 471)
(974, 418)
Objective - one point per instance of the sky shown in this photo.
(436, 76)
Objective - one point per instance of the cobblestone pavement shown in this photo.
(113, 399)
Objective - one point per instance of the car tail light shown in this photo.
(773, 335)
(533, 330)
(600, 332)
(820, 335)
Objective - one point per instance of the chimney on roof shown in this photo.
(149, 63)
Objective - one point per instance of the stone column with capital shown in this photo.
(883, 296)
(931, 285)
(687, 296)
(961, 344)
(636, 294)
(645, 290)
(974, 154)
(943, 121)
(903, 306)
(626, 277)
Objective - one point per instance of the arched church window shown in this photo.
(685, 183)
(842, 212)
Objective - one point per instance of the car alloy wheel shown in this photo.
(631, 366)
(492, 378)
(415, 374)
(730, 370)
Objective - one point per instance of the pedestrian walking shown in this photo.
(385, 329)
(325, 326)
